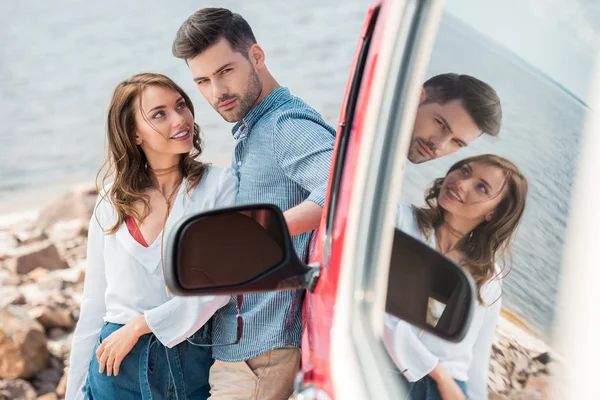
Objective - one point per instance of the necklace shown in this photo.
(163, 171)
(168, 201)
(454, 232)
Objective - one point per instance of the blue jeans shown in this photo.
(426, 389)
(152, 371)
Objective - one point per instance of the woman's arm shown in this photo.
(93, 310)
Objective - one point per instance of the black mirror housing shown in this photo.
(234, 250)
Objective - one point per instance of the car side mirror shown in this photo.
(249, 249)
(429, 290)
(235, 250)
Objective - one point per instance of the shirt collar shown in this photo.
(245, 125)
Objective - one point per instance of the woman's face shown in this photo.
(472, 191)
(164, 123)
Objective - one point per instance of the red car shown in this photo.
(357, 254)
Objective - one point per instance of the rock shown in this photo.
(11, 295)
(49, 375)
(37, 274)
(23, 350)
(16, 389)
(61, 347)
(44, 387)
(56, 333)
(48, 396)
(34, 294)
(543, 358)
(65, 231)
(58, 365)
(69, 276)
(25, 237)
(61, 389)
(47, 380)
(8, 242)
(28, 258)
(516, 371)
(52, 316)
(9, 279)
(75, 205)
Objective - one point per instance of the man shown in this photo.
(454, 110)
(282, 156)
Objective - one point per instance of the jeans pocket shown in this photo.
(153, 349)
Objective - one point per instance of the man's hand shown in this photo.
(118, 344)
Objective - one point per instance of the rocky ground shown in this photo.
(42, 269)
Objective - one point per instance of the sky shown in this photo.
(558, 37)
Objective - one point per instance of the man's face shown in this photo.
(227, 79)
(440, 130)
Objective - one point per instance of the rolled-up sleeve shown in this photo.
(303, 144)
(180, 317)
(410, 355)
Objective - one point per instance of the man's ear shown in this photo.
(423, 95)
(257, 56)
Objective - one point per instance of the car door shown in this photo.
(342, 353)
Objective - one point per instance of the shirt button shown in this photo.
(239, 163)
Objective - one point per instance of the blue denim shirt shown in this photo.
(282, 156)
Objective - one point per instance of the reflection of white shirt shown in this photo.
(125, 280)
(465, 361)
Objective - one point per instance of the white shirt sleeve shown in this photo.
(411, 356)
(180, 317)
(482, 349)
(91, 316)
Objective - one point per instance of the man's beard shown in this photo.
(415, 156)
(244, 103)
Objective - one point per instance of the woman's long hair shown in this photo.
(490, 240)
(125, 161)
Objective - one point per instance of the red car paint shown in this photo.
(320, 304)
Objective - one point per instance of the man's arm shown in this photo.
(303, 145)
(304, 217)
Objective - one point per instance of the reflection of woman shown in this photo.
(470, 217)
(130, 340)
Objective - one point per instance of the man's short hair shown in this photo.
(478, 98)
(206, 27)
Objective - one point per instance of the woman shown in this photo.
(470, 216)
(130, 341)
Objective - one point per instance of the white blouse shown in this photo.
(125, 280)
(467, 360)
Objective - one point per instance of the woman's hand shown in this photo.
(118, 344)
(449, 389)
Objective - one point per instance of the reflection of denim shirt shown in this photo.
(282, 156)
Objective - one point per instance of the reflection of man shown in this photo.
(282, 156)
(454, 110)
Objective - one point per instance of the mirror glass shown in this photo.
(487, 182)
(228, 248)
